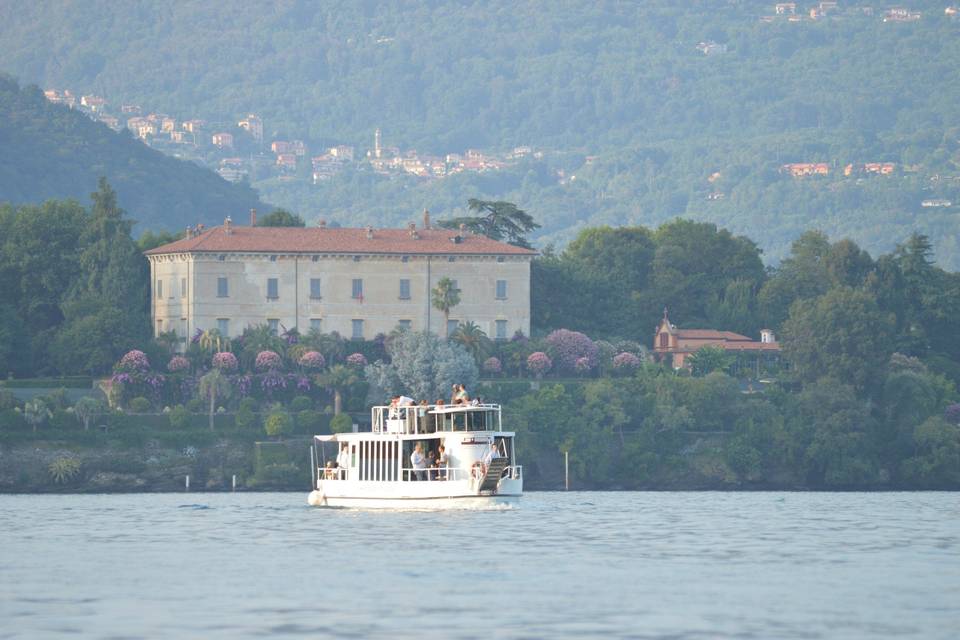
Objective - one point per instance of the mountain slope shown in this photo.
(50, 151)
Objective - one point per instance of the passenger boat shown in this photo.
(375, 469)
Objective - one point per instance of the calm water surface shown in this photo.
(561, 565)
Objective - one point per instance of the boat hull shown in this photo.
(412, 495)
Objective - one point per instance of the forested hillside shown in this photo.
(637, 124)
(50, 151)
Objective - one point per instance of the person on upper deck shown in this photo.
(460, 396)
(343, 461)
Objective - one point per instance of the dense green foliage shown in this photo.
(50, 151)
(622, 83)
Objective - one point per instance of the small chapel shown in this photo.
(679, 344)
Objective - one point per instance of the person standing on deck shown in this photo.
(419, 462)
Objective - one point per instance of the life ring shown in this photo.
(477, 470)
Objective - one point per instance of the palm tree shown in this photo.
(212, 341)
(445, 297)
(212, 386)
(339, 378)
(86, 409)
(473, 339)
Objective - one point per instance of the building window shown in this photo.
(273, 258)
(452, 259)
(183, 329)
(170, 289)
(357, 329)
(501, 289)
(404, 289)
(501, 330)
(405, 259)
(499, 258)
(222, 290)
(405, 325)
(315, 324)
(159, 327)
(183, 287)
(452, 326)
(274, 325)
(314, 288)
(664, 340)
(223, 326)
(315, 258)
(357, 293)
(159, 289)
(272, 289)
(455, 285)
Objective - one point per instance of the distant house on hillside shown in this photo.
(785, 8)
(222, 140)
(802, 169)
(680, 344)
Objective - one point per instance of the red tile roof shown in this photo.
(341, 240)
(708, 334)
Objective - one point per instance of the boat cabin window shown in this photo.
(435, 418)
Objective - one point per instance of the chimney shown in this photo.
(228, 226)
(413, 230)
(253, 217)
(199, 228)
(463, 230)
(370, 233)
(189, 232)
(322, 223)
(426, 219)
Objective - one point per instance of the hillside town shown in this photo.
(238, 151)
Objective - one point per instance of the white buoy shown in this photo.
(187, 483)
(566, 471)
(234, 482)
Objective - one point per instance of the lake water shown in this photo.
(561, 565)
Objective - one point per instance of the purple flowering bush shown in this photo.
(313, 360)
(538, 363)
(952, 413)
(225, 361)
(570, 346)
(132, 361)
(268, 360)
(492, 365)
(178, 364)
(625, 362)
(357, 360)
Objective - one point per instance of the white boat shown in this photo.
(376, 469)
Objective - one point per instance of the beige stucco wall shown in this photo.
(381, 307)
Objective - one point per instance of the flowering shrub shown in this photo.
(178, 363)
(625, 362)
(303, 383)
(582, 365)
(539, 363)
(243, 384)
(268, 360)
(492, 365)
(273, 383)
(570, 346)
(952, 413)
(357, 360)
(312, 360)
(225, 361)
(133, 361)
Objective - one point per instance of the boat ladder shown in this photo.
(491, 479)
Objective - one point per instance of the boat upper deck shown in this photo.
(433, 418)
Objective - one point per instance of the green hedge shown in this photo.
(72, 382)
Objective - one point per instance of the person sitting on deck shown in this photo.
(418, 462)
(492, 452)
(329, 473)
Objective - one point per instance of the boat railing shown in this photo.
(433, 418)
(430, 474)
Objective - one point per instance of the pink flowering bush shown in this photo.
(539, 363)
(492, 365)
(952, 413)
(625, 362)
(312, 360)
(133, 361)
(570, 346)
(268, 360)
(582, 365)
(225, 361)
(178, 363)
(357, 360)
